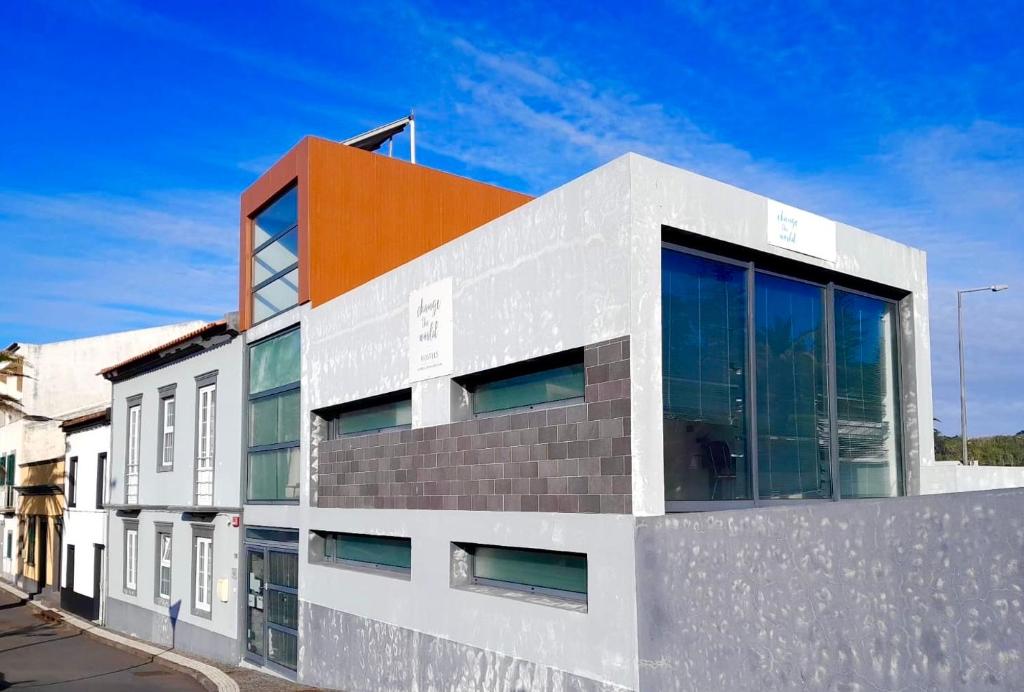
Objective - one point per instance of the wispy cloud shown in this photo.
(196, 220)
(954, 189)
(88, 263)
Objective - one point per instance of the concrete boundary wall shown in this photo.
(917, 593)
(954, 477)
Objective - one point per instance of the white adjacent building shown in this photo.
(60, 381)
(85, 517)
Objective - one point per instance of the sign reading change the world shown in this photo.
(801, 231)
(430, 331)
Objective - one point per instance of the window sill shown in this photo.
(533, 597)
(395, 574)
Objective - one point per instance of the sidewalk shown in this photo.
(211, 675)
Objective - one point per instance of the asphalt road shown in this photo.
(38, 652)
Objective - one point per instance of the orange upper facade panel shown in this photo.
(361, 215)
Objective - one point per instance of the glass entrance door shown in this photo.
(255, 621)
(272, 607)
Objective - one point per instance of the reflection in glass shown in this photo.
(283, 648)
(388, 551)
(256, 622)
(704, 351)
(274, 419)
(278, 217)
(529, 389)
(531, 568)
(793, 434)
(866, 389)
(275, 297)
(393, 414)
(274, 475)
(276, 257)
(274, 362)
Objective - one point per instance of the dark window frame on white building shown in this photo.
(281, 235)
(130, 557)
(202, 535)
(552, 577)
(376, 414)
(164, 536)
(743, 431)
(203, 481)
(167, 414)
(387, 554)
(274, 394)
(133, 449)
(549, 381)
(71, 482)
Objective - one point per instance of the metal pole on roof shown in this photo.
(412, 137)
(963, 378)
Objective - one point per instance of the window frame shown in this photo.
(71, 482)
(468, 550)
(254, 288)
(130, 559)
(102, 482)
(163, 531)
(295, 386)
(206, 384)
(332, 415)
(321, 554)
(168, 408)
(753, 268)
(30, 540)
(133, 448)
(202, 535)
(544, 363)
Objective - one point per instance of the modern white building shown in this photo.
(174, 492)
(459, 425)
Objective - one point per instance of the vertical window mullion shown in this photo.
(832, 388)
(752, 385)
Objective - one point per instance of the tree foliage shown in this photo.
(11, 365)
(997, 450)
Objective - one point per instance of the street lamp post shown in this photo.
(963, 381)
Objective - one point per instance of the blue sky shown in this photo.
(130, 129)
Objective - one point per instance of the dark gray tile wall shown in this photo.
(573, 458)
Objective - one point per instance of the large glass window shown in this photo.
(275, 260)
(867, 408)
(704, 333)
(793, 433)
(819, 364)
(274, 416)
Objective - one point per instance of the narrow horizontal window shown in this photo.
(531, 383)
(376, 414)
(544, 571)
(383, 552)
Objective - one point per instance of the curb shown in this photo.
(206, 675)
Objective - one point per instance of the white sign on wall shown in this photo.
(801, 231)
(430, 331)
